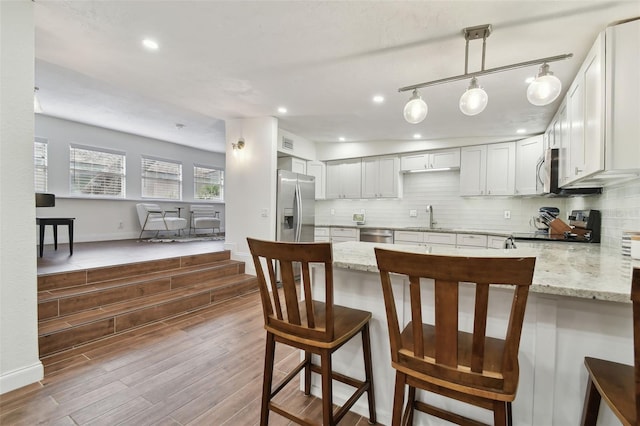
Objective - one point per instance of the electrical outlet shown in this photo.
(333, 212)
(413, 213)
(264, 212)
(120, 225)
(507, 214)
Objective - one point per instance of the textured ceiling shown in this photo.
(323, 60)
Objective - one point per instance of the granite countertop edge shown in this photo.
(570, 270)
(421, 229)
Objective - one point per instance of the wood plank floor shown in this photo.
(202, 368)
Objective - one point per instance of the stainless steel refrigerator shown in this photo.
(295, 207)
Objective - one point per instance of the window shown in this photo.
(161, 179)
(208, 183)
(40, 164)
(97, 172)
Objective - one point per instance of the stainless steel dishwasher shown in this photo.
(376, 235)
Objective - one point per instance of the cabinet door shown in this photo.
(528, 153)
(388, 177)
(370, 177)
(334, 181)
(414, 162)
(593, 140)
(351, 178)
(473, 175)
(471, 240)
(446, 158)
(501, 168)
(562, 139)
(298, 166)
(575, 121)
(317, 170)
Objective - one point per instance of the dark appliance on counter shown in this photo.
(547, 182)
(583, 227)
(543, 219)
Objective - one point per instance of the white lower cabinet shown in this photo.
(496, 242)
(321, 235)
(424, 238)
(471, 241)
(340, 235)
(408, 237)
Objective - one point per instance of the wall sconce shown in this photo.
(238, 146)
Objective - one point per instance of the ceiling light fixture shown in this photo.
(545, 88)
(416, 109)
(37, 108)
(282, 110)
(341, 139)
(475, 98)
(378, 99)
(417, 136)
(521, 131)
(150, 44)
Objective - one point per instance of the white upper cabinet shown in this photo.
(501, 168)
(343, 178)
(599, 142)
(431, 160)
(292, 164)
(528, 153)
(488, 169)
(318, 170)
(380, 177)
(473, 170)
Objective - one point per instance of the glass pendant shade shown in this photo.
(545, 88)
(474, 100)
(416, 109)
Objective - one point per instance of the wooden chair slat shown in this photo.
(446, 321)
(277, 307)
(479, 327)
(416, 316)
(308, 296)
(290, 293)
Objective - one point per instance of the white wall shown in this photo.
(19, 363)
(302, 148)
(251, 185)
(112, 219)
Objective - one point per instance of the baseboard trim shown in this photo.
(20, 377)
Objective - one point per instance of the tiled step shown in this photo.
(83, 306)
(66, 301)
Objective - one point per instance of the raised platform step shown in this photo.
(75, 311)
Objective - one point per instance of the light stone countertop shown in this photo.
(422, 229)
(566, 269)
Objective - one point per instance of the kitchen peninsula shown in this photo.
(578, 305)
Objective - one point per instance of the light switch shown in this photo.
(507, 214)
(264, 212)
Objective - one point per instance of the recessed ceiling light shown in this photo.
(341, 139)
(282, 110)
(150, 44)
(529, 80)
(417, 136)
(521, 131)
(378, 99)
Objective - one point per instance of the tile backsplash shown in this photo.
(620, 206)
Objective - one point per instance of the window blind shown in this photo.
(40, 165)
(161, 179)
(95, 172)
(208, 183)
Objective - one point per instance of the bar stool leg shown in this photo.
(398, 399)
(327, 390)
(70, 237)
(591, 405)
(368, 370)
(55, 237)
(267, 379)
(41, 240)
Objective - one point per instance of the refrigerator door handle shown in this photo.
(298, 214)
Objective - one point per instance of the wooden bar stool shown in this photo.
(618, 384)
(295, 319)
(440, 358)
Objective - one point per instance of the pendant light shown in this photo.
(416, 109)
(545, 88)
(474, 100)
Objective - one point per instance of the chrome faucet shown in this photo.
(430, 211)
